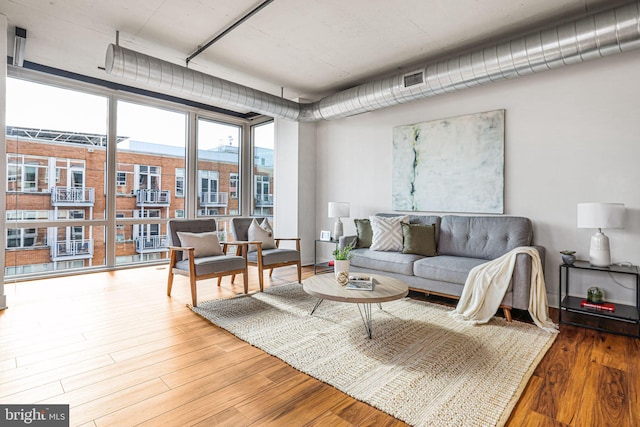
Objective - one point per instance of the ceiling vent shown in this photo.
(413, 79)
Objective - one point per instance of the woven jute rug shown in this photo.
(422, 366)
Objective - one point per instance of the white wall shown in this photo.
(3, 145)
(572, 135)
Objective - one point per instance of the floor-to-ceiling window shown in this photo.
(262, 171)
(218, 171)
(163, 160)
(56, 139)
(151, 154)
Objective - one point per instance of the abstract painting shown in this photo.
(450, 165)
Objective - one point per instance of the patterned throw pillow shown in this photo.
(204, 244)
(261, 233)
(387, 233)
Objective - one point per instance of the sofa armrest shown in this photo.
(346, 240)
(522, 278)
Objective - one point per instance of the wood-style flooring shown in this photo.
(120, 352)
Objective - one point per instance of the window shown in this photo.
(218, 162)
(121, 179)
(179, 213)
(262, 171)
(233, 185)
(179, 182)
(27, 173)
(26, 237)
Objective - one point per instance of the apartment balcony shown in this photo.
(72, 196)
(153, 198)
(148, 244)
(264, 200)
(214, 199)
(72, 249)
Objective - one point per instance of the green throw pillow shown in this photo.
(419, 239)
(364, 232)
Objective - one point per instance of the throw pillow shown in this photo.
(364, 233)
(387, 233)
(261, 233)
(419, 239)
(204, 244)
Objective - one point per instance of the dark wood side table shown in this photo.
(629, 314)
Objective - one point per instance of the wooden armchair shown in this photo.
(262, 257)
(195, 252)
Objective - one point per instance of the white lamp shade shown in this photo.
(600, 215)
(338, 210)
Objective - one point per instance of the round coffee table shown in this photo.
(325, 287)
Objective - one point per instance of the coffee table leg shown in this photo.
(365, 314)
(316, 306)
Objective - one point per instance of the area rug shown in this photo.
(421, 366)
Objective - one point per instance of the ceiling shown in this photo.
(300, 49)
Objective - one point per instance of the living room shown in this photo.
(570, 137)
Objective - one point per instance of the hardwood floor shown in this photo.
(120, 352)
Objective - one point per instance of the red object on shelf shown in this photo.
(606, 306)
(330, 263)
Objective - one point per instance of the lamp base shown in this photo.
(599, 252)
(337, 230)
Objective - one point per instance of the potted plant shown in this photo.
(341, 263)
(568, 257)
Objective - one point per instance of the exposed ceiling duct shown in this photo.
(605, 33)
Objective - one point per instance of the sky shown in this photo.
(46, 107)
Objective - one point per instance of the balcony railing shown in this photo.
(72, 249)
(72, 196)
(214, 199)
(153, 197)
(146, 244)
(264, 200)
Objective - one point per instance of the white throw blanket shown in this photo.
(487, 284)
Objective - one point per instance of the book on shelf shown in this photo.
(605, 306)
(360, 282)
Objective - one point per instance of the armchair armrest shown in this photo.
(180, 248)
(291, 239)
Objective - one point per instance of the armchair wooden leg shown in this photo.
(233, 278)
(219, 281)
(245, 280)
(507, 313)
(194, 298)
(270, 272)
(299, 272)
(169, 282)
(261, 277)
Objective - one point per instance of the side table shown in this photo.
(629, 314)
(323, 266)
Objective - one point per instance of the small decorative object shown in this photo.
(325, 235)
(341, 263)
(568, 257)
(595, 295)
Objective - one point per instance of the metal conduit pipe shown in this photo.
(605, 33)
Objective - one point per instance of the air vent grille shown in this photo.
(413, 79)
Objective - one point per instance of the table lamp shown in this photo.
(337, 210)
(600, 215)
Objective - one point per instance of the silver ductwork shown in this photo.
(182, 81)
(613, 31)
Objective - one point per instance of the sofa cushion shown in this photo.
(483, 237)
(446, 268)
(363, 232)
(387, 233)
(394, 262)
(204, 244)
(419, 239)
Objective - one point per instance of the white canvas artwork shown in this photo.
(450, 165)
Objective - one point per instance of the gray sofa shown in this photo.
(462, 243)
